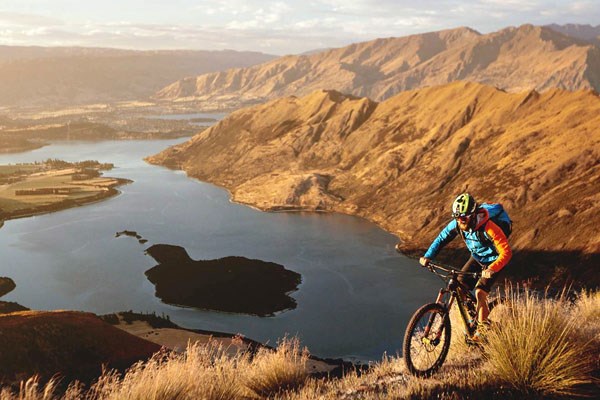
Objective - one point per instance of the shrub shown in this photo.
(536, 348)
(274, 372)
(203, 371)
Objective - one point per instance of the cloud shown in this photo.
(27, 20)
(580, 7)
(274, 26)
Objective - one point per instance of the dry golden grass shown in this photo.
(588, 312)
(205, 371)
(202, 372)
(280, 371)
(31, 390)
(537, 348)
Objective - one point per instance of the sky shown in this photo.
(274, 27)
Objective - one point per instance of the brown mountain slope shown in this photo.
(45, 76)
(513, 59)
(74, 344)
(400, 163)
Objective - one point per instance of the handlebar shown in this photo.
(433, 266)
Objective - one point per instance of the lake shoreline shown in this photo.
(66, 203)
(543, 265)
(177, 338)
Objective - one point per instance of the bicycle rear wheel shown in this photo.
(427, 340)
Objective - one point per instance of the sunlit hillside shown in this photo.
(512, 59)
(400, 162)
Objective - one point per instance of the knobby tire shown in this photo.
(424, 358)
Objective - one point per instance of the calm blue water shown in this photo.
(356, 296)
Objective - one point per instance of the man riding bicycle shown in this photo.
(487, 242)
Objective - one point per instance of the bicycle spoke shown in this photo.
(424, 355)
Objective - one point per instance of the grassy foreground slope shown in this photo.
(400, 163)
(537, 349)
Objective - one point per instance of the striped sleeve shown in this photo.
(498, 237)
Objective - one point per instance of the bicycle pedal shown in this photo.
(473, 341)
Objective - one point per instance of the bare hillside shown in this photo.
(72, 344)
(401, 162)
(42, 76)
(513, 59)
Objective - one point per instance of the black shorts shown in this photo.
(484, 284)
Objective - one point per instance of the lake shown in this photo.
(354, 301)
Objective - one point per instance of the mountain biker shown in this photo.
(487, 256)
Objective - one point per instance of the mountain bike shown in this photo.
(427, 336)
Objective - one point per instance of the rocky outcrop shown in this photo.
(400, 163)
(513, 59)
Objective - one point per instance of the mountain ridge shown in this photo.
(535, 153)
(43, 76)
(585, 32)
(513, 59)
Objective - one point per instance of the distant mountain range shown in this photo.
(588, 33)
(513, 59)
(41, 76)
(400, 163)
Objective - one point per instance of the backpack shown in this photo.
(500, 217)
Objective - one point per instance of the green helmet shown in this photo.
(464, 205)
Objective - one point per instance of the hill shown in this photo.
(74, 344)
(513, 59)
(43, 76)
(401, 162)
(557, 359)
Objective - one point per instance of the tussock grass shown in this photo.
(31, 390)
(587, 309)
(538, 347)
(202, 372)
(279, 371)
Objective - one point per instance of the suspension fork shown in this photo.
(438, 300)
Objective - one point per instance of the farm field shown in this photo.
(30, 189)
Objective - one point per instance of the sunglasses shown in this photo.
(462, 217)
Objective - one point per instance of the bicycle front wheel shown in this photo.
(427, 340)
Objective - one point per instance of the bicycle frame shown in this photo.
(429, 331)
(454, 291)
